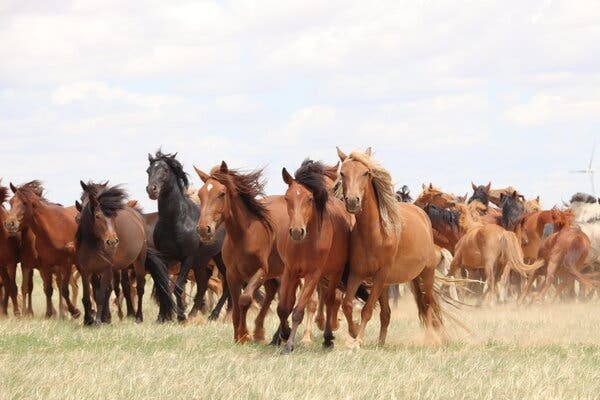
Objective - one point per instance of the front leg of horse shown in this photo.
(245, 302)
(141, 284)
(225, 296)
(201, 276)
(354, 281)
(88, 318)
(367, 311)
(27, 288)
(384, 315)
(64, 291)
(287, 298)
(12, 287)
(259, 322)
(178, 289)
(311, 309)
(329, 297)
(310, 284)
(48, 290)
(6, 292)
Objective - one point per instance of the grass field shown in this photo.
(539, 352)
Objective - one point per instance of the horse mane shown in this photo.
(512, 211)
(469, 215)
(439, 215)
(330, 171)
(110, 200)
(310, 174)
(384, 191)
(480, 195)
(32, 190)
(403, 195)
(585, 208)
(583, 198)
(3, 194)
(248, 186)
(177, 168)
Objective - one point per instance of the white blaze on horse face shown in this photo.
(209, 187)
(297, 192)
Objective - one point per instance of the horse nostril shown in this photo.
(302, 231)
(208, 229)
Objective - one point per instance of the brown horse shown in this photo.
(315, 248)
(534, 225)
(563, 252)
(433, 195)
(249, 250)
(54, 228)
(481, 195)
(9, 252)
(391, 242)
(110, 237)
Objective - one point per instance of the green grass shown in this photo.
(539, 352)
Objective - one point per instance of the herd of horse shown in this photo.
(337, 234)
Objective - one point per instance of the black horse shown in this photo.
(175, 233)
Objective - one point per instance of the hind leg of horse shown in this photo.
(126, 284)
(179, 286)
(550, 272)
(311, 309)
(271, 286)
(201, 275)
(73, 279)
(432, 312)
(287, 299)
(310, 284)
(140, 278)
(11, 269)
(102, 294)
(48, 289)
(530, 279)
(354, 281)
(384, 315)
(117, 289)
(65, 280)
(6, 293)
(490, 279)
(88, 318)
(235, 288)
(329, 295)
(225, 296)
(27, 288)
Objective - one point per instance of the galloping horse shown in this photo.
(54, 228)
(110, 237)
(229, 198)
(315, 248)
(175, 233)
(391, 242)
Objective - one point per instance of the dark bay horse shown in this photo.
(54, 228)
(9, 253)
(316, 247)
(231, 199)
(110, 237)
(391, 242)
(175, 235)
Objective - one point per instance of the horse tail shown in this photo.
(512, 254)
(362, 293)
(445, 259)
(159, 272)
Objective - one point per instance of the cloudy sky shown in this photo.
(444, 91)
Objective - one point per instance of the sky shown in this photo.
(448, 92)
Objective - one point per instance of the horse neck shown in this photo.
(237, 218)
(368, 220)
(170, 202)
(46, 217)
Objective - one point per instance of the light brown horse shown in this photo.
(391, 242)
(315, 248)
(249, 249)
(433, 195)
(9, 253)
(54, 228)
(534, 224)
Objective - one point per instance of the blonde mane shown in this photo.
(384, 190)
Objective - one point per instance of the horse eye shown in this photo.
(221, 195)
(342, 174)
(366, 173)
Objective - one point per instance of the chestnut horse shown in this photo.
(433, 195)
(54, 228)
(316, 247)
(391, 242)
(9, 253)
(110, 237)
(534, 225)
(230, 198)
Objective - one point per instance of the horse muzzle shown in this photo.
(206, 232)
(112, 243)
(12, 227)
(353, 204)
(297, 234)
(153, 191)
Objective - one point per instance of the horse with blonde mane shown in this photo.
(391, 242)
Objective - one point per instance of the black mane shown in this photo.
(480, 194)
(109, 199)
(512, 211)
(403, 195)
(310, 174)
(582, 198)
(439, 215)
(175, 166)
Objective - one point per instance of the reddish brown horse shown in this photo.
(534, 225)
(54, 228)
(249, 250)
(316, 247)
(9, 252)
(391, 242)
(110, 237)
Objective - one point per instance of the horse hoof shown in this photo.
(355, 344)
(328, 344)
(88, 321)
(307, 341)
(139, 320)
(213, 317)
(76, 314)
(181, 318)
(287, 349)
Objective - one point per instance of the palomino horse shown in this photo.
(491, 248)
(230, 198)
(175, 235)
(111, 236)
(9, 253)
(54, 228)
(315, 248)
(391, 242)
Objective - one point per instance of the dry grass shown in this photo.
(539, 352)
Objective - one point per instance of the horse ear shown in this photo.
(83, 186)
(224, 167)
(150, 158)
(537, 199)
(488, 187)
(430, 186)
(341, 154)
(203, 176)
(369, 151)
(78, 206)
(514, 194)
(12, 187)
(473, 186)
(287, 178)
(423, 186)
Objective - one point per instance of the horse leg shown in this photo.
(367, 311)
(385, 314)
(27, 288)
(490, 279)
(310, 284)
(140, 278)
(73, 278)
(245, 301)
(329, 296)
(102, 294)
(184, 269)
(354, 281)
(88, 319)
(64, 291)
(311, 309)
(6, 294)
(525, 291)
(46, 273)
(12, 287)
(428, 306)
(550, 272)
(320, 318)
(225, 296)
(287, 298)
(235, 288)
(117, 290)
(201, 275)
(126, 284)
(271, 286)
